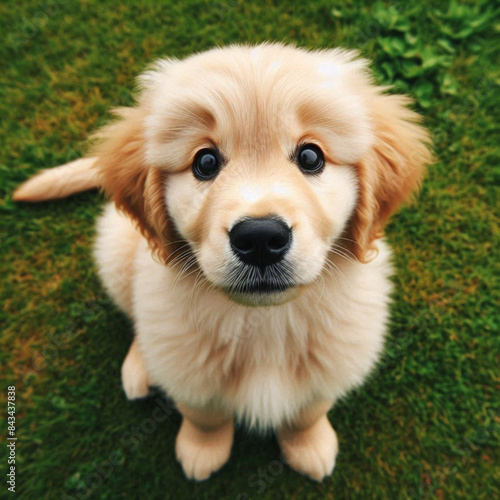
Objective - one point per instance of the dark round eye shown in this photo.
(311, 159)
(206, 164)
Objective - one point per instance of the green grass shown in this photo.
(426, 424)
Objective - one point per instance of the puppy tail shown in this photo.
(59, 182)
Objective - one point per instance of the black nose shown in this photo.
(260, 242)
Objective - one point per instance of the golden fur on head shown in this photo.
(185, 104)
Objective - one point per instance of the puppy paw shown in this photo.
(311, 452)
(134, 376)
(200, 452)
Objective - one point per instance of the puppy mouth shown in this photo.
(260, 287)
(250, 280)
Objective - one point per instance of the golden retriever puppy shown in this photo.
(250, 189)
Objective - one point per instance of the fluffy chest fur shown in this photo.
(264, 364)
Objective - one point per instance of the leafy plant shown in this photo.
(414, 51)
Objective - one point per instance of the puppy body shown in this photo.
(264, 364)
(271, 326)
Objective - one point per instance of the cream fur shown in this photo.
(275, 361)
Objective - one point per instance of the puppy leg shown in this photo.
(309, 444)
(204, 441)
(134, 376)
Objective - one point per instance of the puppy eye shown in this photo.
(206, 164)
(311, 159)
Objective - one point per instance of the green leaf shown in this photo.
(480, 22)
(401, 86)
(412, 53)
(389, 70)
(386, 17)
(446, 45)
(411, 39)
(393, 47)
(423, 92)
(403, 24)
(461, 34)
(448, 85)
(431, 60)
(410, 69)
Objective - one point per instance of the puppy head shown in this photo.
(264, 160)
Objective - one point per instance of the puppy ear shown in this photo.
(124, 175)
(390, 171)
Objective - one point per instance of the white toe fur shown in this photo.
(134, 375)
(202, 453)
(312, 452)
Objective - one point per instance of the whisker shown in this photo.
(344, 253)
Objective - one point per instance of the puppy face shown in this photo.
(262, 233)
(264, 160)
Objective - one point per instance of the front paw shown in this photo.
(200, 452)
(134, 376)
(311, 451)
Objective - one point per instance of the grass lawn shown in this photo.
(426, 424)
